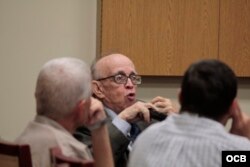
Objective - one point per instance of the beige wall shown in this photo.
(32, 32)
(169, 87)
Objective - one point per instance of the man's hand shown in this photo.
(163, 105)
(138, 111)
(96, 112)
(241, 121)
(99, 135)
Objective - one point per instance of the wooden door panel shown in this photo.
(162, 37)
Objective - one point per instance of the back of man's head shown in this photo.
(61, 84)
(208, 89)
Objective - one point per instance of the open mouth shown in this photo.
(131, 96)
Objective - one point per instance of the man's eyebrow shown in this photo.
(123, 73)
(120, 72)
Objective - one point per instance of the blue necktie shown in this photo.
(134, 132)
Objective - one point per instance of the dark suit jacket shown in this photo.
(119, 142)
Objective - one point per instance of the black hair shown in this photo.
(208, 88)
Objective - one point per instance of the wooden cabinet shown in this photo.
(234, 45)
(163, 37)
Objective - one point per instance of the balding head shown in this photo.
(115, 96)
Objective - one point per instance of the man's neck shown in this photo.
(115, 110)
(68, 125)
(223, 120)
(110, 112)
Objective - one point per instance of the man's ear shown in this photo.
(97, 89)
(233, 108)
(79, 107)
(230, 114)
(80, 115)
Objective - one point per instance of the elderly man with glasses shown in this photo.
(115, 83)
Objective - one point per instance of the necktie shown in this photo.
(134, 132)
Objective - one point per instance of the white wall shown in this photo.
(34, 31)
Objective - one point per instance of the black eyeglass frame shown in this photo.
(113, 77)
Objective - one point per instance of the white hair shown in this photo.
(61, 84)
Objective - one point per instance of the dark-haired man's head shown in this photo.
(208, 89)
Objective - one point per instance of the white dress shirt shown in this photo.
(184, 140)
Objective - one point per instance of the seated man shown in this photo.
(197, 136)
(63, 103)
(115, 83)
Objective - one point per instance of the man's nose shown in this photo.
(129, 83)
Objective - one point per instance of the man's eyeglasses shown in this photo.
(123, 79)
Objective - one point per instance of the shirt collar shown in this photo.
(48, 121)
(110, 112)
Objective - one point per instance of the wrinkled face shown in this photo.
(118, 96)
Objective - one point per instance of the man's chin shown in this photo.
(131, 99)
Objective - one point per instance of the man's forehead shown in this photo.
(120, 67)
(116, 59)
(115, 64)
